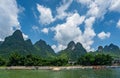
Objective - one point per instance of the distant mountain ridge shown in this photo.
(44, 49)
(16, 43)
(109, 48)
(73, 51)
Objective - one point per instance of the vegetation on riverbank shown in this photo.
(16, 59)
(99, 59)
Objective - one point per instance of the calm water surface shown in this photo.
(76, 73)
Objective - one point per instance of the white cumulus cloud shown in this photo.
(118, 24)
(104, 35)
(70, 31)
(61, 10)
(8, 18)
(89, 33)
(115, 5)
(58, 48)
(36, 29)
(66, 32)
(85, 2)
(99, 8)
(25, 36)
(45, 14)
(45, 30)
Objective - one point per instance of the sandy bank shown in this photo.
(55, 68)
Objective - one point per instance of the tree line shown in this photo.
(15, 59)
(99, 59)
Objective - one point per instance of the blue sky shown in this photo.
(90, 22)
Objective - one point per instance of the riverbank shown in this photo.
(55, 68)
(45, 67)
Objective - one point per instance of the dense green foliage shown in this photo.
(99, 59)
(16, 59)
(2, 61)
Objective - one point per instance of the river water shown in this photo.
(76, 73)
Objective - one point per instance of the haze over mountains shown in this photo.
(16, 43)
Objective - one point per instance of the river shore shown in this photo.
(56, 68)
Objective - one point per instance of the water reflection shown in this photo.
(77, 73)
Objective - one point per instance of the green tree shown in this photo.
(15, 59)
(87, 59)
(31, 60)
(2, 61)
(99, 59)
